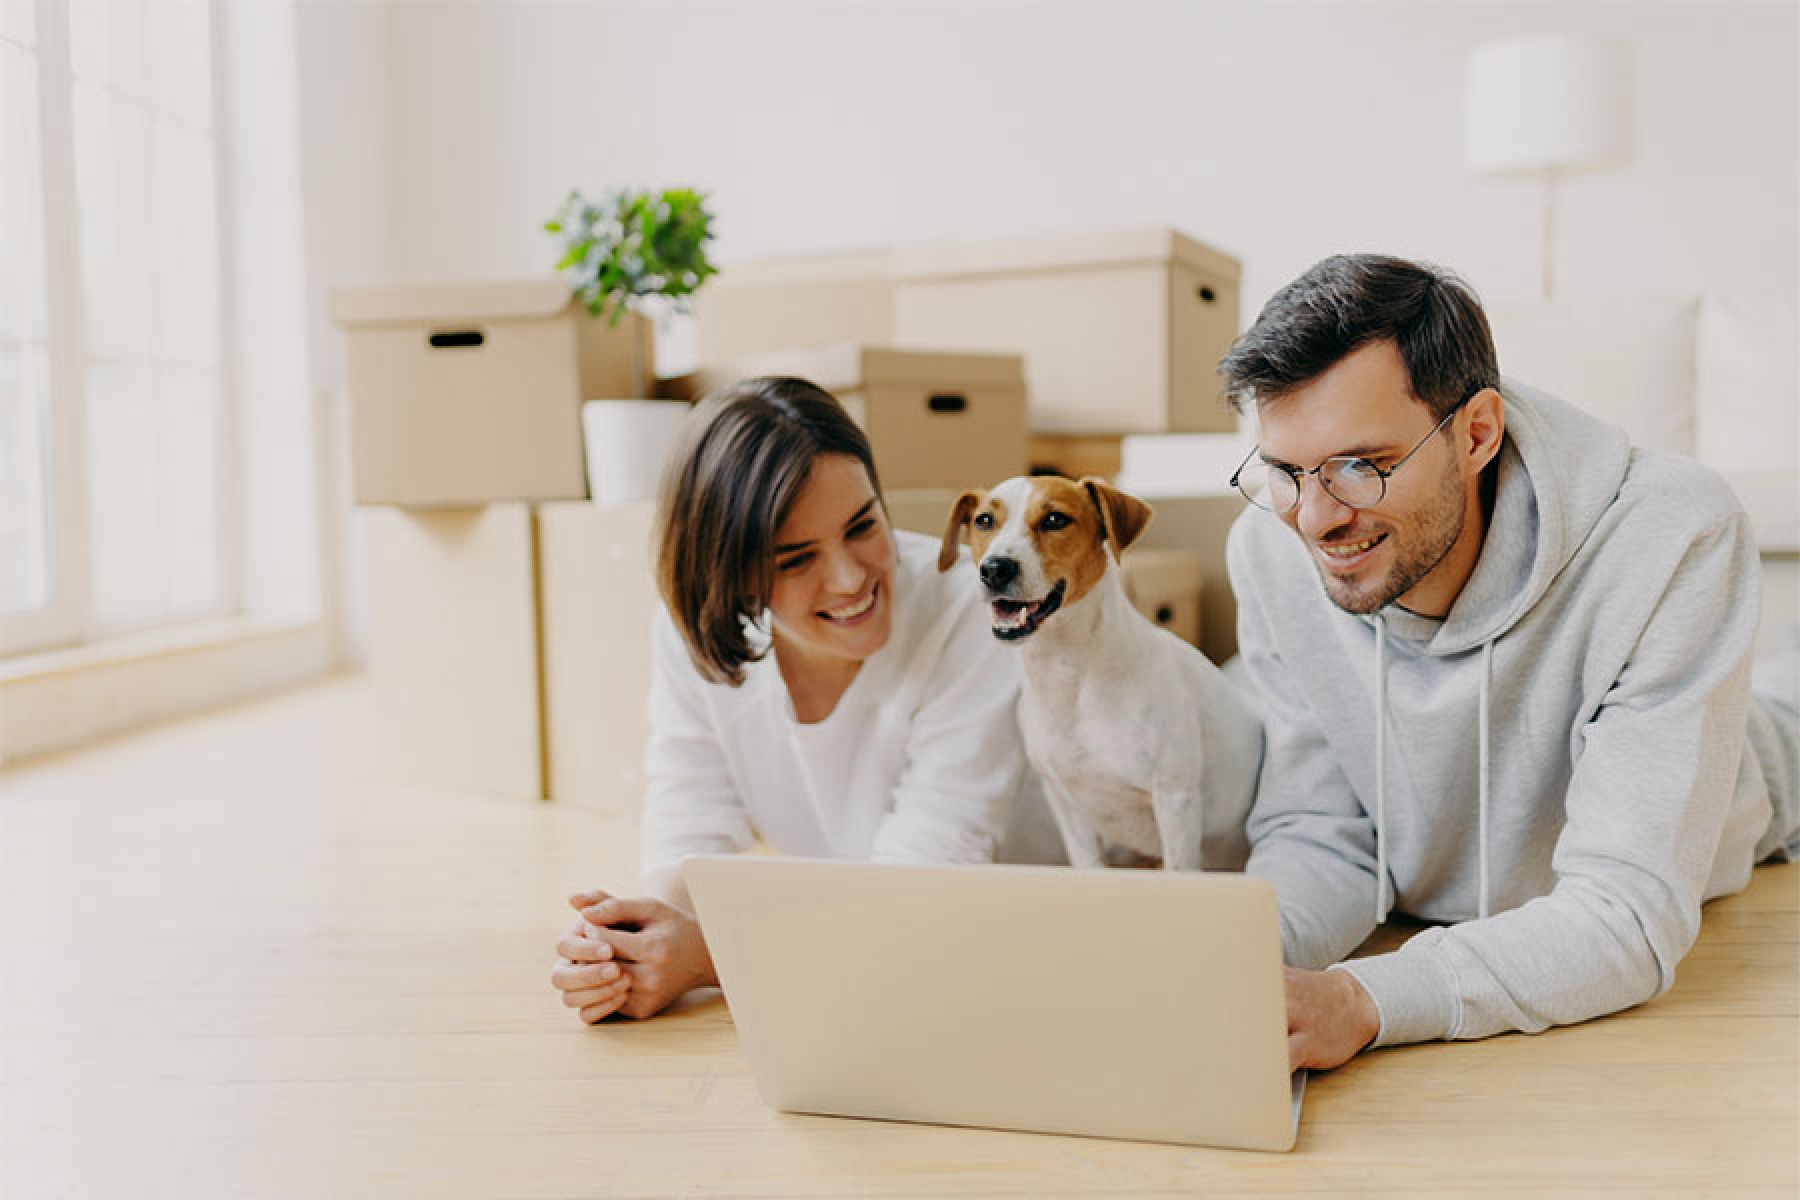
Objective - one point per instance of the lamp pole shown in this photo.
(1548, 250)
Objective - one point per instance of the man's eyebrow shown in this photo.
(859, 514)
(1361, 450)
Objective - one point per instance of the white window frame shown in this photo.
(68, 617)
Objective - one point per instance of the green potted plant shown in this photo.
(640, 252)
(634, 251)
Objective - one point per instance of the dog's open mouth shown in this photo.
(1020, 618)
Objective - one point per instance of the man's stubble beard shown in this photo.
(1417, 552)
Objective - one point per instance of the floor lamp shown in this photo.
(1548, 106)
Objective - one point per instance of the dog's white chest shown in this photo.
(1104, 765)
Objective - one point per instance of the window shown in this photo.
(111, 355)
(26, 568)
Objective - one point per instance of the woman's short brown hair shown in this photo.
(744, 456)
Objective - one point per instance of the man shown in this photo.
(1504, 662)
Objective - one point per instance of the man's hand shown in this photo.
(1330, 1018)
(659, 948)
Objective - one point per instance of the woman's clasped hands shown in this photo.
(632, 956)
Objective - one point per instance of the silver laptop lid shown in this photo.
(1129, 1004)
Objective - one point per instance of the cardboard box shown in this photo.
(1121, 332)
(1199, 525)
(1075, 456)
(598, 600)
(800, 300)
(463, 395)
(454, 646)
(934, 420)
(1166, 586)
(920, 510)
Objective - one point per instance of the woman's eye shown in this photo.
(1053, 521)
(788, 565)
(984, 521)
(863, 527)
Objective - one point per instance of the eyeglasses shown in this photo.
(1352, 482)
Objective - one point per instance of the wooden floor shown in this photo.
(238, 964)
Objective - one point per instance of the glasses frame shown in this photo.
(1298, 473)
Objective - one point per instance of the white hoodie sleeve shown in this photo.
(1309, 835)
(965, 761)
(1646, 807)
(691, 805)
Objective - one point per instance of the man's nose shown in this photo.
(998, 572)
(1319, 512)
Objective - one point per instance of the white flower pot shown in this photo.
(626, 442)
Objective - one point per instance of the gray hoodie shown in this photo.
(1571, 754)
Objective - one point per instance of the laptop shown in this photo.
(1108, 1003)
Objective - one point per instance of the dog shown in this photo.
(1142, 744)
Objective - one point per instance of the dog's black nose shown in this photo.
(998, 573)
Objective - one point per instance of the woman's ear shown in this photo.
(1122, 515)
(960, 512)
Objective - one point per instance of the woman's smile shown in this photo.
(856, 612)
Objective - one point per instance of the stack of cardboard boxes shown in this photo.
(1119, 334)
(503, 653)
(511, 615)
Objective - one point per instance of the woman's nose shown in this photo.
(843, 571)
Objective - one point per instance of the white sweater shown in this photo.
(921, 760)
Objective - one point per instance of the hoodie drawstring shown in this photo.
(1381, 896)
(1481, 791)
(1481, 786)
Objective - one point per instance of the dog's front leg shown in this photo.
(1179, 826)
(1079, 838)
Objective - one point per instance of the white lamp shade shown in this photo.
(1550, 103)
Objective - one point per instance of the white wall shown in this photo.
(1279, 131)
(440, 134)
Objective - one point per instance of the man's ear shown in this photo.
(960, 512)
(1122, 516)
(1487, 427)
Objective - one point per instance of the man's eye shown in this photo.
(984, 521)
(1053, 521)
(793, 564)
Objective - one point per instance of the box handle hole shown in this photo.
(1207, 294)
(1164, 614)
(452, 338)
(947, 402)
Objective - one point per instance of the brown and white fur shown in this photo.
(1141, 743)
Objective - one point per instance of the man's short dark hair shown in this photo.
(1350, 300)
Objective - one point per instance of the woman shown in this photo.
(816, 683)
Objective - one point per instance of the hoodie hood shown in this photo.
(1559, 470)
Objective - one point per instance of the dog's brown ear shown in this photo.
(960, 512)
(1122, 515)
